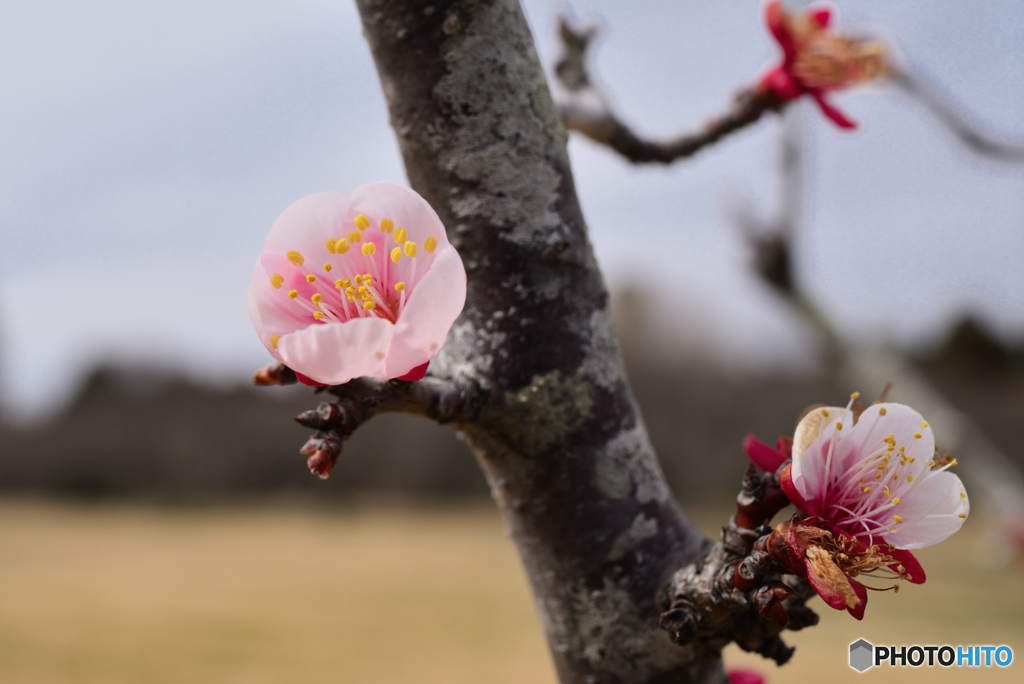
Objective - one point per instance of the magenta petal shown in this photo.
(762, 455)
(829, 594)
(781, 82)
(862, 593)
(307, 381)
(822, 16)
(739, 675)
(910, 564)
(416, 373)
(775, 18)
(837, 117)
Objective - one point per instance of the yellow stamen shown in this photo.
(839, 426)
(896, 501)
(897, 518)
(824, 412)
(963, 515)
(342, 246)
(386, 225)
(910, 478)
(277, 280)
(318, 315)
(953, 462)
(327, 267)
(885, 492)
(430, 244)
(400, 235)
(369, 249)
(359, 280)
(917, 435)
(362, 223)
(354, 237)
(855, 395)
(273, 340)
(878, 476)
(924, 423)
(310, 278)
(295, 258)
(399, 286)
(366, 277)
(316, 298)
(293, 293)
(339, 283)
(866, 490)
(369, 305)
(882, 411)
(410, 249)
(962, 495)
(396, 254)
(332, 245)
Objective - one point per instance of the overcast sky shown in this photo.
(146, 148)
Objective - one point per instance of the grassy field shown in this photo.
(376, 595)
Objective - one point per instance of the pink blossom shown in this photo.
(817, 60)
(366, 285)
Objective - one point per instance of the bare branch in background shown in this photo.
(586, 109)
(948, 115)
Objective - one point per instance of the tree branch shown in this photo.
(557, 431)
(585, 108)
(735, 592)
(363, 398)
(954, 121)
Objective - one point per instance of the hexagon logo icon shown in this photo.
(861, 655)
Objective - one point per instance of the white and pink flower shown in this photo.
(872, 489)
(875, 477)
(366, 285)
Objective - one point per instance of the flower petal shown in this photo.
(821, 16)
(930, 511)
(778, 24)
(334, 353)
(400, 204)
(857, 611)
(762, 455)
(744, 676)
(307, 223)
(911, 566)
(831, 583)
(429, 313)
(837, 117)
(793, 494)
(811, 443)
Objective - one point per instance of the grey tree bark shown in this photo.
(554, 423)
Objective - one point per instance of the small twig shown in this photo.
(947, 114)
(361, 399)
(585, 109)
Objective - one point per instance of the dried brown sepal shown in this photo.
(768, 601)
